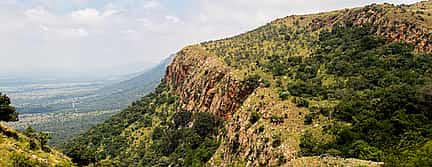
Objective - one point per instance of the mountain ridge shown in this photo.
(291, 92)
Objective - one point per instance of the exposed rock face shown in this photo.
(204, 83)
(394, 29)
(267, 142)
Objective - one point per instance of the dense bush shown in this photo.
(301, 102)
(7, 112)
(19, 160)
(252, 81)
(383, 91)
(254, 117)
(205, 124)
(181, 119)
(171, 141)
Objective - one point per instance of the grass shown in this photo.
(13, 147)
(332, 161)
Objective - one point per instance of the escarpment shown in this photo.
(204, 83)
(400, 29)
(396, 23)
(261, 127)
(299, 91)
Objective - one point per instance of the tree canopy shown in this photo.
(7, 112)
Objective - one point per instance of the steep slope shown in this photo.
(349, 69)
(17, 149)
(353, 83)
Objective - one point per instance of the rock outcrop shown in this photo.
(397, 23)
(204, 83)
(251, 80)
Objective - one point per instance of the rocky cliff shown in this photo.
(289, 92)
(403, 23)
(204, 81)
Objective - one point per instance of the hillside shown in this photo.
(349, 88)
(17, 149)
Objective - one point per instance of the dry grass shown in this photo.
(332, 161)
(10, 146)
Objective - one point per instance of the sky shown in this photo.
(113, 37)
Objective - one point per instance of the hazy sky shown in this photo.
(90, 37)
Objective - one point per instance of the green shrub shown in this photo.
(181, 119)
(363, 150)
(261, 129)
(266, 83)
(157, 133)
(419, 156)
(308, 119)
(252, 81)
(147, 121)
(277, 141)
(7, 112)
(284, 95)
(334, 152)
(20, 160)
(254, 117)
(205, 123)
(301, 102)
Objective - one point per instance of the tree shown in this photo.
(205, 123)
(420, 156)
(29, 132)
(7, 112)
(181, 119)
(43, 140)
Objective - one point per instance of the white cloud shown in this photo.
(152, 4)
(84, 36)
(92, 17)
(86, 16)
(144, 21)
(110, 12)
(44, 28)
(173, 19)
(72, 32)
(39, 14)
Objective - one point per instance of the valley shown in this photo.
(49, 96)
(67, 108)
(62, 125)
(55, 107)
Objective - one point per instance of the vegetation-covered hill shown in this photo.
(25, 150)
(321, 89)
(145, 132)
(30, 150)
